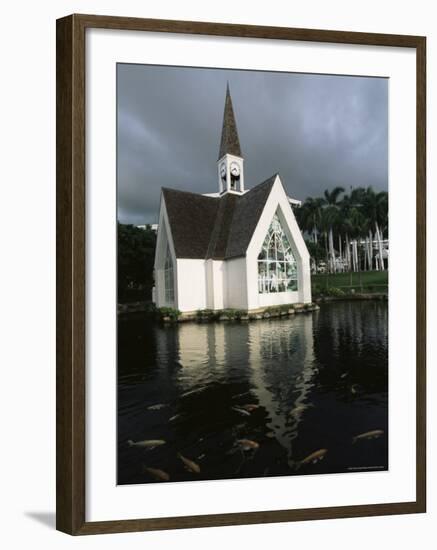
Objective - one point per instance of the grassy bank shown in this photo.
(365, 281)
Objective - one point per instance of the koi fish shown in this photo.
(250, 407)
(157, 407)
(192, 392)
(247, 444)
(241, 411)
(300, 408)
(373, 434)
(237, 395)
(313, 458)
(190, 465)
(146, 443)
(157, 474)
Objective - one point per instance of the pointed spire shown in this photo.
(230, 142)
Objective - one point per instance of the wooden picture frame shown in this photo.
(71, 253)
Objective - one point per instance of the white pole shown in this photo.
(378, 233)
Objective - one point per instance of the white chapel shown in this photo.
(239, 248)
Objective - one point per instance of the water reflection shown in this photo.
(317, 380)
(282, 370)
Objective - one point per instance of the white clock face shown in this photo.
(235, 169)
(223, 170)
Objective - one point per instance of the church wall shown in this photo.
(278, 299)
(191, 285)
(236, 284)
(164, 238)
(304, 281)
(215, 284)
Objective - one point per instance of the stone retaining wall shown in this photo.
(125, 310)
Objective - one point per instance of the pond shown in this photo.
(292, 386)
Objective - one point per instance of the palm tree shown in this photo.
(332, 207)
(359, 225)
(325, 224)
(353, 221)
(345, 228)
(375, 209)
(310, 215)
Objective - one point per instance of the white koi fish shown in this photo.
(157, 407)
(313, 458)
(247, 444)
(190, 465)
(373, 434)
(158, 474)
(241, 411)
(146, 443)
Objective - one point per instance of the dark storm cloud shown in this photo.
(317, 131)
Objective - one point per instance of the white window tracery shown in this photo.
(277, 266)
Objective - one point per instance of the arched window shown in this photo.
(277, 267)
(168, 278)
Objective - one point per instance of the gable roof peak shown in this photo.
(230, 143)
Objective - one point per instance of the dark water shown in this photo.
(319, 379)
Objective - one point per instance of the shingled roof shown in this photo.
(229, 143)
(214, 227)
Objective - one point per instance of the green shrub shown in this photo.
(238, 313)
(170, 312)
(234, 313)
(150, 308)
(277, 310)
(334, 291)
(207, 314)
(317, 289)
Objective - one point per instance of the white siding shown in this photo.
(191, 285)
(277, 299)
(304, 281)
(215, 283)
(236, 284)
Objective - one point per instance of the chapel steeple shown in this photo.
(230, 161)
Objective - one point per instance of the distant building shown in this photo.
(294, 202)
(237, 248)
(153, 226)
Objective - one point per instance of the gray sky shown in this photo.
(317, 131)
